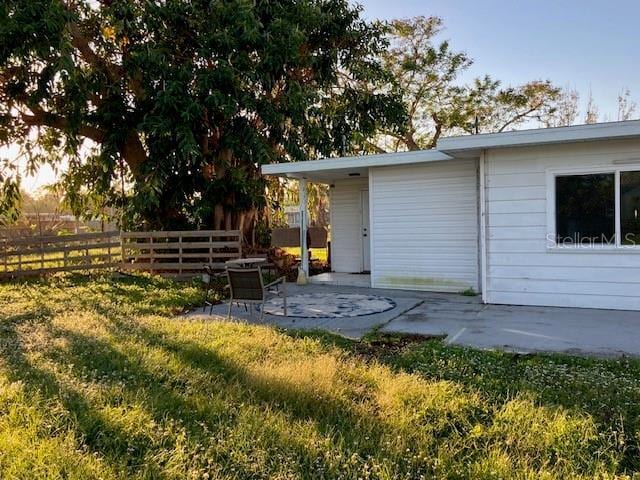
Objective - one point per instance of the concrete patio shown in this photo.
(466, 321)
(352, 327)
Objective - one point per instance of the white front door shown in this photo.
(366, 245)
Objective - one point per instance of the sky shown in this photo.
(582, 44)
(588, 45)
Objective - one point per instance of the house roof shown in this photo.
(540, 136)
(345, 167)
(448, 148)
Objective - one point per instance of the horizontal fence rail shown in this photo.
(168, 253)
(35, 256)
(180, 253)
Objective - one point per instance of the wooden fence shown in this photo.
(34, 256)
(180, 253)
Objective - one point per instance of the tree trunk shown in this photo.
(134, 154)
(228, 221)
(242, 221)
(218, 217)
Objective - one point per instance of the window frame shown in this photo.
(616, 170)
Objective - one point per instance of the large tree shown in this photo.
(179, 102)
(427, 72)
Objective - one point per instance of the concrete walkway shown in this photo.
(603, 333)
(466, 321)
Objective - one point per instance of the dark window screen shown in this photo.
(630, 207)
(585, 209)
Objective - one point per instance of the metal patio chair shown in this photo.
(209, 276)
(247, 287)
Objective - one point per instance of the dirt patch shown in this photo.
(389, 345)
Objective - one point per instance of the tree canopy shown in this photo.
(168, 108)
(427, 72)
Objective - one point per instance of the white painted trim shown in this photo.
(551, 174)
(448, 147)
(331, 189)
(591, 249)
(362, 217)
(551, 208)
(304, 252)
(350, 163)
(541, 136)
(372, 257)
(617, 211)
(482, 231)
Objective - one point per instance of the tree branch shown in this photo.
(80, 42)
(114, 72)
(40, 118)
(518, 117)
(374, 147)
(438, 132)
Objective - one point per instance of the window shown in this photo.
(587, 211)
(630, 208)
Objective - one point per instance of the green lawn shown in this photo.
(100, 379)
(316, 253)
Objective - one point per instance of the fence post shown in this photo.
(41, 253)
(151, 254)
(122, 255)
(109, 251)
(5, 254)
(210, 262)
(87, 260)
(180, 255)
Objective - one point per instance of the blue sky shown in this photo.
(584, 44)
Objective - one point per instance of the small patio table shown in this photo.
(245, 262)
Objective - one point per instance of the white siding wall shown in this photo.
(522, 269)
(424, 226)
(346, 236)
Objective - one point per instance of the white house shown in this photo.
(533, 217)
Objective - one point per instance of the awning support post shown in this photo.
(303, 271)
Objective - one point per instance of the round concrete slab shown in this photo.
(322, 305)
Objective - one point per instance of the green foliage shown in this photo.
(263, 234)
(10, 195)
(99, 379)
(427, 73)
(182, 101)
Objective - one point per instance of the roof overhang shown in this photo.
(472, 145)
(468, 146)
(331, 169)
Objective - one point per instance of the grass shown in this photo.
(316, 253)
(76, 257)
(100, 379)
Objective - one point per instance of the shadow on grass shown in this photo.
(165, 395)
(99, 435)
(585, 385)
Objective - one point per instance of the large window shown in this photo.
(585, 208)
(588, 213)
(630, 208)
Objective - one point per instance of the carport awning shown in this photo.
(331, 169)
